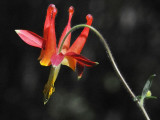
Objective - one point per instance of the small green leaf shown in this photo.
(146, 92)
(147, 86)
(151, 97)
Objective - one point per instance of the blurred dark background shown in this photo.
(131, 28)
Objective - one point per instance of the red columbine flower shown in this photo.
(69, 56)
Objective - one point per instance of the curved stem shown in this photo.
(112, 61)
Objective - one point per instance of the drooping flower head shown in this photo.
(69, 56)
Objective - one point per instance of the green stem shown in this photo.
(106, 46)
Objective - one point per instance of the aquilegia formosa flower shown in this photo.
(69, 56)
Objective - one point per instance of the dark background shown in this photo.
(131, 28)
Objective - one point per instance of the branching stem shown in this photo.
(106, 46)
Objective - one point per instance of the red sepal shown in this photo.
(30, 38)
(80, 69)
(56, 59)
(81, 59)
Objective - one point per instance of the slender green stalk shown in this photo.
(106, 46)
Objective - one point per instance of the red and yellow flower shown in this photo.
(69, 56)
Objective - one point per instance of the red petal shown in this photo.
(50, 45)
(80, 69)
(70, 62)
(47, 23)
(57, 59)
(30, 38)
(81, 59)
(81, 40)
(66, 30)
